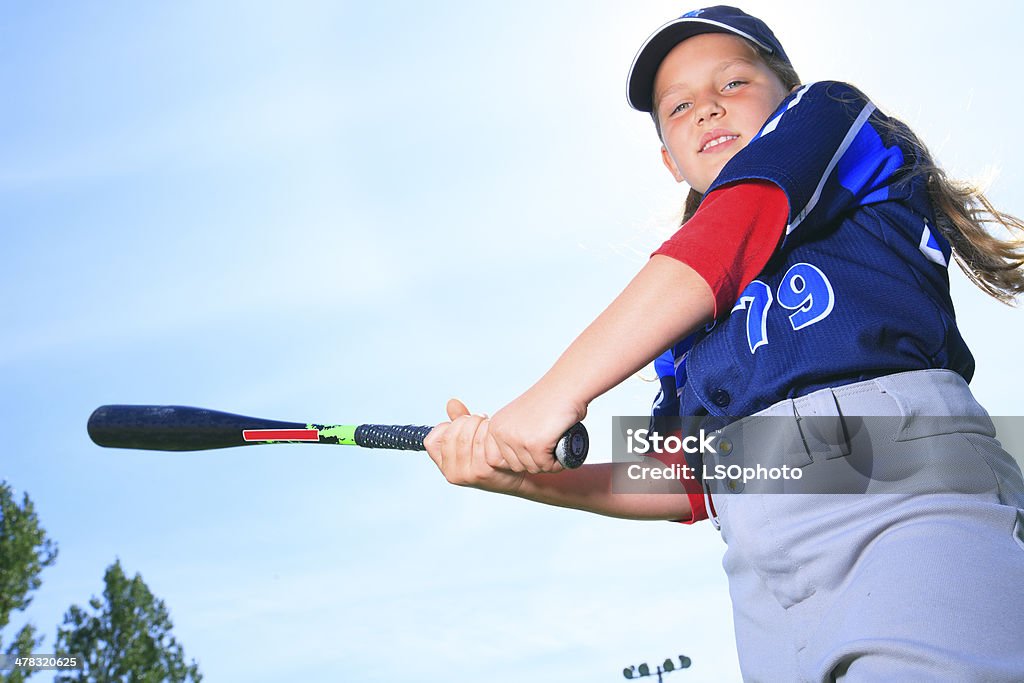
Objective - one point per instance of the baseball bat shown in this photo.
(183, 428)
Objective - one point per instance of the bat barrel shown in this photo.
(173, 428)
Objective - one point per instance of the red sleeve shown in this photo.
(731, 236)
(698, 510)
(691, 487)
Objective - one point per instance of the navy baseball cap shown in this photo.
(718, 19)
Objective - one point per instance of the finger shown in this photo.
(456, 449)
(433, 441)
(529, 462)
(456, 408)
(492, 453)
(464, 439)
(524, 454)
(479, 463)
(544, 458)
(511, 458)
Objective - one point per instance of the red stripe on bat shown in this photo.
(281, 434)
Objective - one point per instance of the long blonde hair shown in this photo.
(963, 213)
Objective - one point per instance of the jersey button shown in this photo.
(720, 397)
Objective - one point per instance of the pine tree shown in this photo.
(127, 637)
(25, 551)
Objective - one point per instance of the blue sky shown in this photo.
(347, 212)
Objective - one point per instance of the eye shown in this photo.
(682, 106)
(732, 85)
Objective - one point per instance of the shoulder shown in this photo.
(817, 111)
(823, 147)
(825, 97)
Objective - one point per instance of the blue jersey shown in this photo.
(859, 286)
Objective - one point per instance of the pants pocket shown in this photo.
(759, 544)
(1018, 530)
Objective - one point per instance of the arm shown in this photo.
(620, 342)
(626, 337)
(456, 448)
(590, 488)
(694, 276)
(729, 240)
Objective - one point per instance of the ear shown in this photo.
(795, 88)
(670, 164)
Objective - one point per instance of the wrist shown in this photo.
(564, 392)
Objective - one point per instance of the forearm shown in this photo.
(591, 488)
(666, 301)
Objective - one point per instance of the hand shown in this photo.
(527, 429)
(466, 454)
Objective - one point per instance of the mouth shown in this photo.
(716, 142)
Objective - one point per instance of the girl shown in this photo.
(809, 278)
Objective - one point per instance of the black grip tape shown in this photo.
(571, 450)
(396, 437)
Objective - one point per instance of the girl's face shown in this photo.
(712, 94)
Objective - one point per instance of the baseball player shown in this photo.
(809, 278)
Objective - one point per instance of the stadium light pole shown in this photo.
(666, 666)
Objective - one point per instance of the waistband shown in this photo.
(819, 422)
(932, 393)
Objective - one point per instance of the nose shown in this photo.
(707, 109)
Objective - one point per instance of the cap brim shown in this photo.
(640, 86)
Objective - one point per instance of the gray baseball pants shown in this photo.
(919, 577)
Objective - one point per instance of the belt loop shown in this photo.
(821, 424)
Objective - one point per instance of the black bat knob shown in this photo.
(571, 450)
